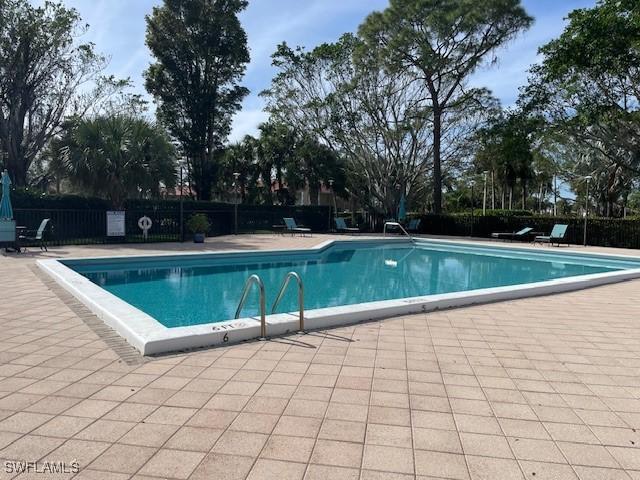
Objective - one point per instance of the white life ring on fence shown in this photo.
(145, 225)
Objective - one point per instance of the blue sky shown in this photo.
(117, 27)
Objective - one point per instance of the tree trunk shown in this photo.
(437, 167)
(540, 199)
(555, 195)
(493, 190)
(201, 177)
(17, 165)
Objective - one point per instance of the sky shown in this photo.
(117, 28)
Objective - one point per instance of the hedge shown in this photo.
(604, 232)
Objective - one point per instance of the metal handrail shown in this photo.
(245, 293)
(396, 224)
(283, 288)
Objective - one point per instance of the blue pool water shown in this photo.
(196, 289)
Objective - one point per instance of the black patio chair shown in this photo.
(35, 236)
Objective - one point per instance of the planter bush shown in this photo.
(199, 225)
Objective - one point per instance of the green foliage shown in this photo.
(634, 202)
(200, 51)
(508, 213)
(198, 223)
(42, 66)
(298, 161)
(241, 158)
(373, 121)
(33, 199)
(117, 157)
(588, 90)
(507, 152)
(441, 43)
(314, 164)
(276, 151)
(604, 232)
(597, 42)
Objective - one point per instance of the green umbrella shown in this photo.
(6, 212)
(402, 209)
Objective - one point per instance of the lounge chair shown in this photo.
(557, 235)
(35, 236)
(414, 225)
(292, 227)
(519, 235)
(341, 226)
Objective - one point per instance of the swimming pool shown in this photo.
(168, 297)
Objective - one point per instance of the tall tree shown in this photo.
(372, 119)
(440, 43)
(42, 66)
(201, 54)
(588, 90)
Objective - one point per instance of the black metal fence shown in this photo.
(603, 232)
(89, 226)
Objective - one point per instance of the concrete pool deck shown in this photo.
(547, 385)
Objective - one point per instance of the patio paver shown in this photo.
(538, 388)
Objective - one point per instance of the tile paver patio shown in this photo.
(539, 388)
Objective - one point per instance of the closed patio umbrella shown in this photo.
(402, 209)
(6, 212)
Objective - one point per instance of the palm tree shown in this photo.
(241, 158)
(118, 157)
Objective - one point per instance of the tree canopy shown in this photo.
(278, 164)
(200, 51)
(440, 44)
(42, 66)
(364, 115)
(116, 157)
(588, 90)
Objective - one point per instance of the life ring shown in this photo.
(145, 225)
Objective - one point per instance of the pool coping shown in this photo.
(150, 337)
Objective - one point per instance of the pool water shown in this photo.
(197, 289)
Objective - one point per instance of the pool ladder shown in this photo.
(396, 224)
(245, 293)
(285, 283)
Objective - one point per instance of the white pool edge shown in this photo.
(150, 337)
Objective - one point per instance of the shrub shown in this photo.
(494, 213)
(198, 223)
(30, 199)
(509, 213)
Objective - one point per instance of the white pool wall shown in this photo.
(150, 337)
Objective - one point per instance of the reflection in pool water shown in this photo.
(208, 291)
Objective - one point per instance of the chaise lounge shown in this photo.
(341, 226)
(292, 226)
(522, 235)
(557, 235)
(414, 225)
